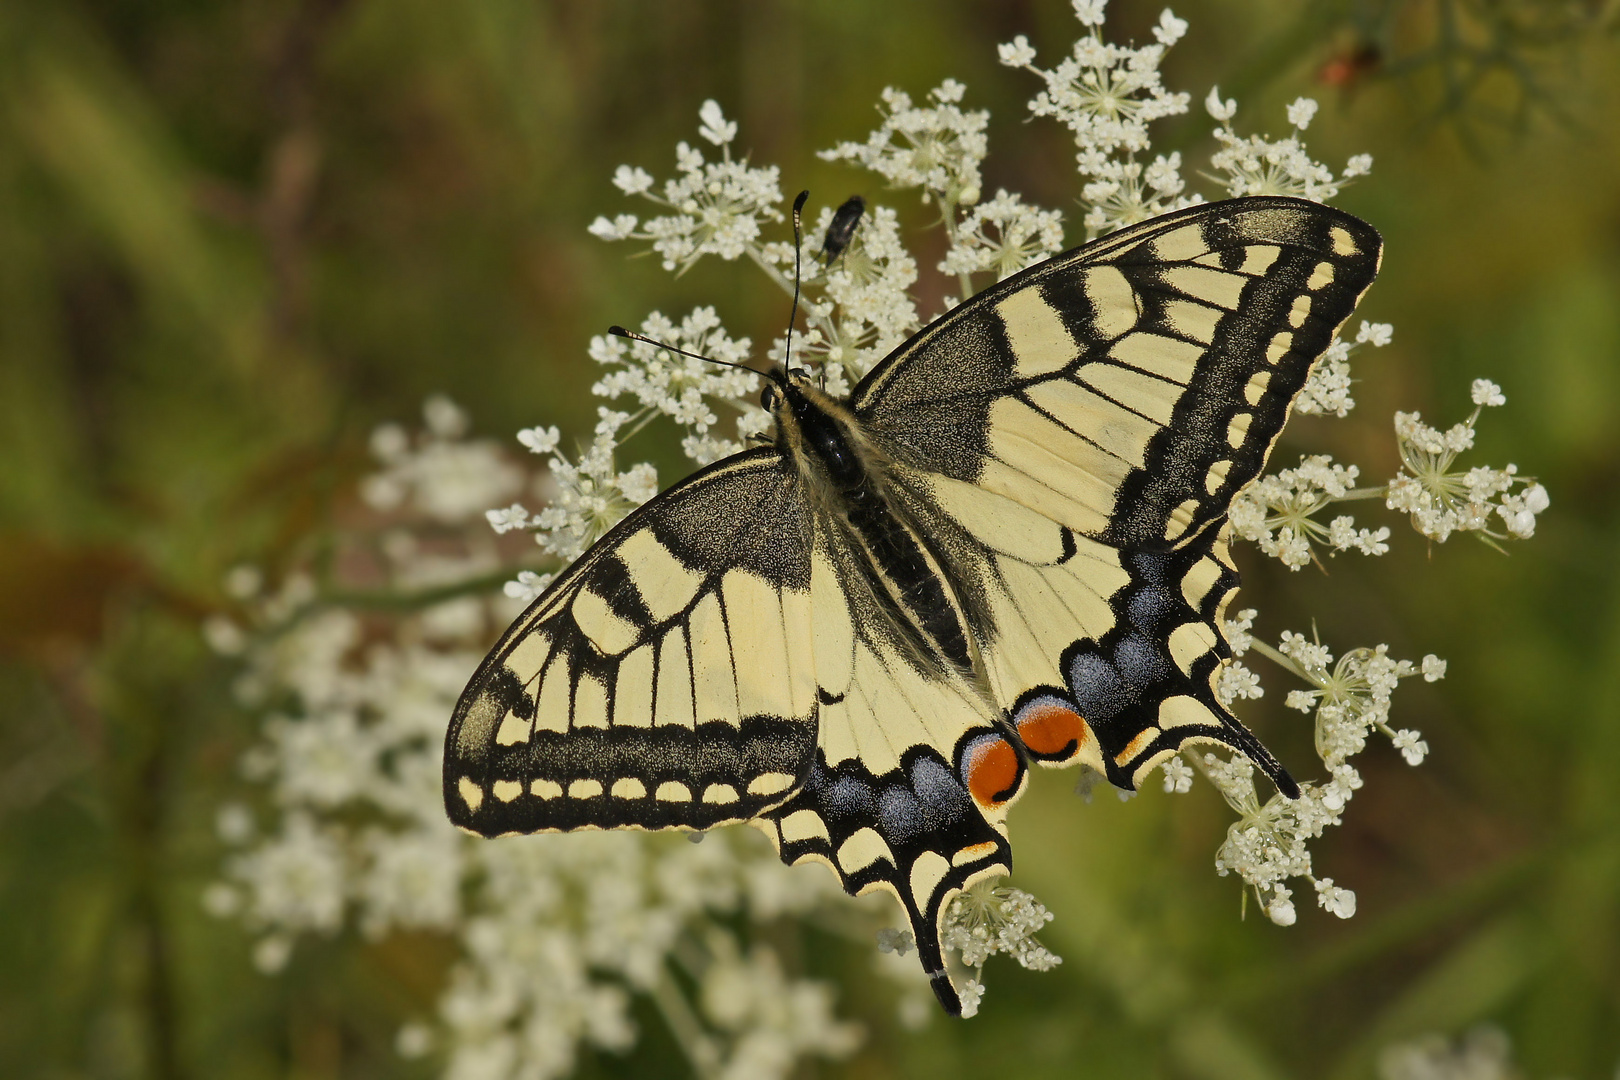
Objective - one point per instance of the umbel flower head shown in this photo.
(1442, 501)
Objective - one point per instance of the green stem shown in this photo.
(402, 601)
(685, 1026)
(1279, 659)
(1355, 494)
(947, 214)
(822, 323)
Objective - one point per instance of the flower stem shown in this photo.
(1279, 659)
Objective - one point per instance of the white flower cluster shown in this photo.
(1260, 166)
(1267, 844)
(1327, 390)
(1276, 513)
(1107, 95)
(683, 388)
(936, 147)
(448, 478)
(1002, 237)
(717, 205)
(987, 919)
(1442, 501)
(591, 495)
(557, 935)
(1485, 1053)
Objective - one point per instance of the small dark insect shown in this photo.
(842, 230)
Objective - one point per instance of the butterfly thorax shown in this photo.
(845, 476)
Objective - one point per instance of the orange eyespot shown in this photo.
(1051, 729)
(990, 767)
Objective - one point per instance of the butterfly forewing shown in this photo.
(665, 681)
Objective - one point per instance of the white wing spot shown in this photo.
(1322, 275)
(861, 850)
(674, 681)
(720, 794)
(1189, 642)
(1279, 347)
(673, 791)
(527, 655)
(506, 790)
(551, 710)
(1168, 358)
(545, 789)
(590, 702)
(1186, 244)
(1237, 430)
(770, 783)
(714, 681)
(1300, 311)
(1207, 284)
(1143, 739)
(804, 825)
(1182, 711)
(513, 730)
(759, 644)
(1255, 389)
(1257, 259)
(471, 793)
(1181, 518)
(1196, 321)
(1113, 427)
(926, 874)
(1153, 398)
(629, 787)
(633, 689)
(1197, 582)
(584, 789)
(1343, 242)
(1216, 476)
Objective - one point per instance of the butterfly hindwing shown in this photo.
(665, 681)
(913, 773)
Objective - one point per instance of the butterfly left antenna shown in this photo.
(619, 331)
(798, 242)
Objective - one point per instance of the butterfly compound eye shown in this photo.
(768, 398)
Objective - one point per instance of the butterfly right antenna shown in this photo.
(798, 239)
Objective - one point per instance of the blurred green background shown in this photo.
(236, 236)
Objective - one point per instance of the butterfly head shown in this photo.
(791, 397)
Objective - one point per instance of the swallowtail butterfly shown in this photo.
(1005, 548)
